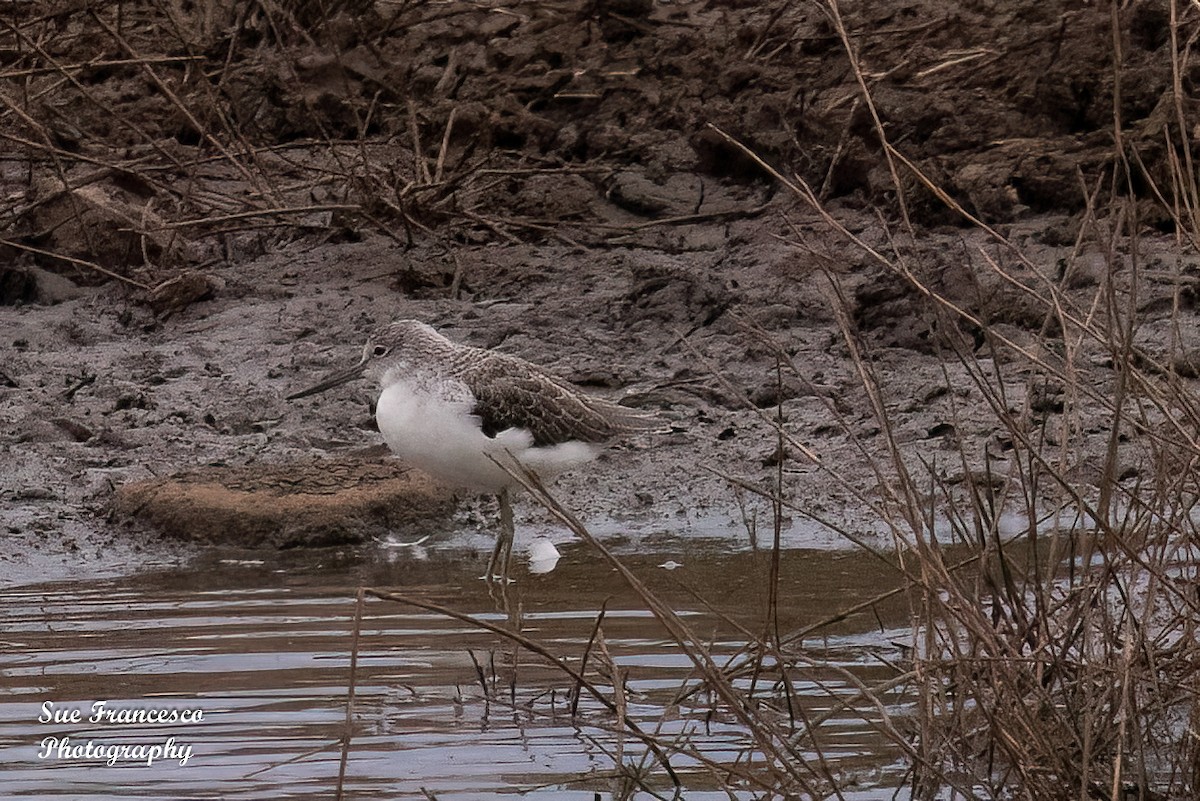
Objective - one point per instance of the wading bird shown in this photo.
(464, 414)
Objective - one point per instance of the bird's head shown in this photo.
(390, 347)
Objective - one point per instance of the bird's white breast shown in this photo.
(429, 423)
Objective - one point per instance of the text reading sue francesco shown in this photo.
(106, 713)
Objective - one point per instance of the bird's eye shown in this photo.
(380, 350)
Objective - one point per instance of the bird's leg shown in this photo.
(507, 531)
(504, 540)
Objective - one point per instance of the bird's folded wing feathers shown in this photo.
(510, 393)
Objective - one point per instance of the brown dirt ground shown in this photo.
(543, 178)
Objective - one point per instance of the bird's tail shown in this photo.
(627, 420)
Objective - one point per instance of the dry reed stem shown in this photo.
(786, 765)
(77, 262)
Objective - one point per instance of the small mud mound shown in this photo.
(283, 506)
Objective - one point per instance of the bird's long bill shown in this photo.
(331, 381)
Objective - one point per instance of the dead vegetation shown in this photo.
(145, 139)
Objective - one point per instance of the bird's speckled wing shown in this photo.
(512, 393)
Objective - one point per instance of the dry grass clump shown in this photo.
(1068, 668)
(143, 138)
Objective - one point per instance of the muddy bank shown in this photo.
(189, 238)
(103, 393)
(107, 395)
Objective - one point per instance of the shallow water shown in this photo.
(261, 646)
